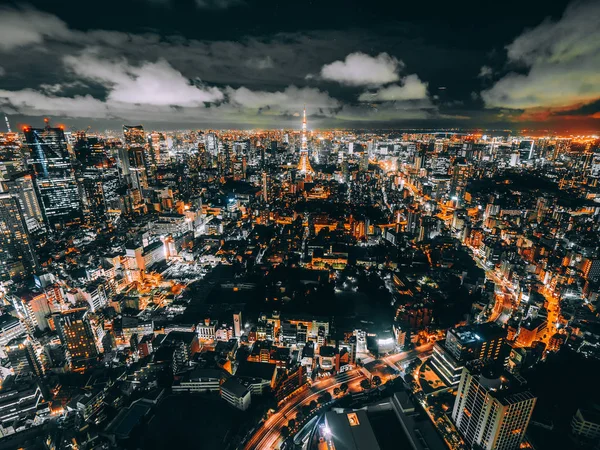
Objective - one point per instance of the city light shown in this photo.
(293, 227)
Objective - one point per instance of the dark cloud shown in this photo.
(255, 63)
(219, 4)
(563, 61)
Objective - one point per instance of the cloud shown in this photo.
(62, 88)
(289, 101)
(150, 78)
(22, 27)
(388, 112)
(218, 4)
(31, 102)
(260, 63)
(485, 72)
(151, 83)
(563, 58)
(360, 69)
(412, 88)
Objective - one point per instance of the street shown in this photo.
(268, 435)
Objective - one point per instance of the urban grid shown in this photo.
(286, 237)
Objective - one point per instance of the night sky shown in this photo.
(254, 63)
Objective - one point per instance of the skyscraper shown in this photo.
(21, 187)
(17, 257)
(492, 409)
(267, 186)
(54, 176)
(142, 161)
(76, 334)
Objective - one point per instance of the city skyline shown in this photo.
(339, 225)
(244, 64)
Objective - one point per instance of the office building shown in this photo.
(22, 357)
(236, 394)
(586, 423)
(351, 431)
(201, 380)
(492, 409)
(138, 168)
(36, 308)
(19, 400)
(10, 328)
(142, 161)
(54, 177)
(76, 334)
(21, 187)
(591, 269)
(17, 257)
(485, 342)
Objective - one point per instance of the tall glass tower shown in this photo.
(17, 257)
(55, 181)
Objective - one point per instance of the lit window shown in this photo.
(353, 419)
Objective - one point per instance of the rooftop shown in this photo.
(234, 387)
(472, 333)
(351, 430)
(248, 369)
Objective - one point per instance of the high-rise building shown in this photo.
(485, 342)
(211, 143)
(76, 334)
(22, 357)
(17, 257)
(591, 269)
(36, 309)
(142, 160)
(461, 172)
(101, 191)
(138, 168)
(10, 328)
(267, 187)
(492, 409)
(21, 187)
(363, 164)
(54, 177)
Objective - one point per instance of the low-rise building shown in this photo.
(201, 380)
(236, 394)
(586, 423)
(19, 400)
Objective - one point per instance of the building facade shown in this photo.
(492, 410)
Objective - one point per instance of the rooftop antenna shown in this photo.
(7, 123)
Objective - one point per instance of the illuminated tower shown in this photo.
(304, 166)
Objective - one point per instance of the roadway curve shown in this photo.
(267, 436)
